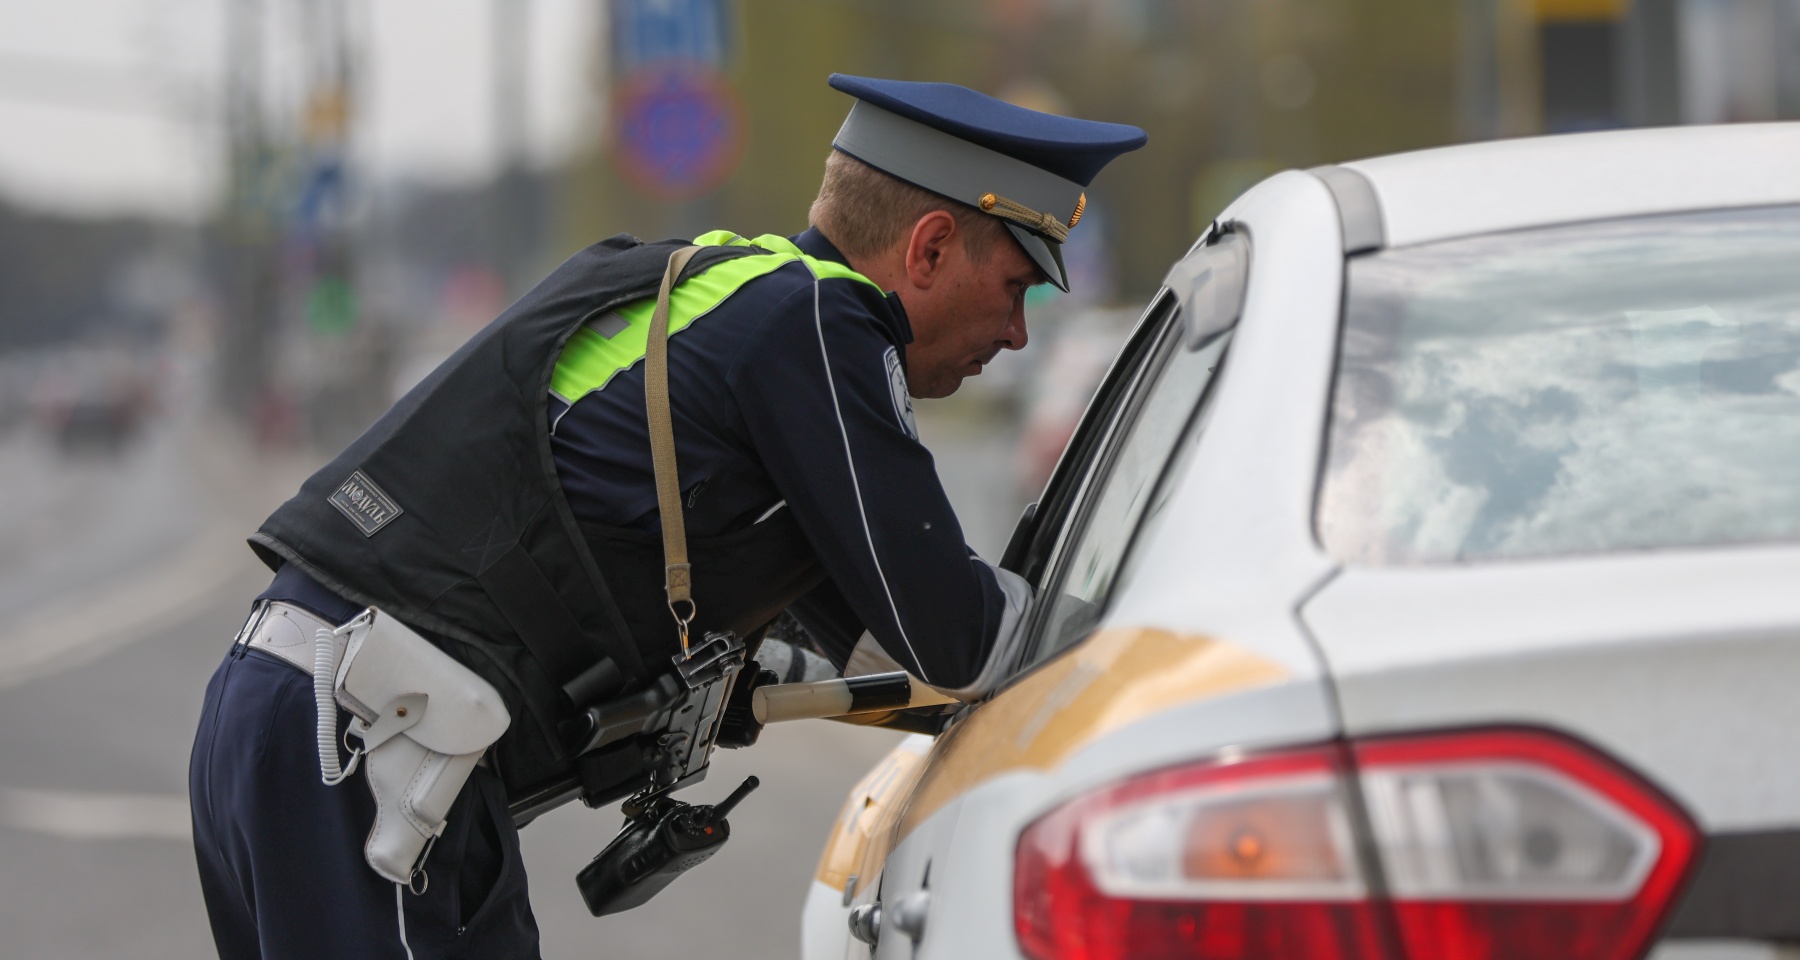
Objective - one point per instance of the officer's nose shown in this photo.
(1014, 335)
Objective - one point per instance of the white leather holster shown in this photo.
(424, 721)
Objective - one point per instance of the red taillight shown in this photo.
(1510, 843)
(1493, 845)
(1223, 860)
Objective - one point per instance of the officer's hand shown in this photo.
(739, 728)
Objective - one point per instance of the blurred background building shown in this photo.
(233, 231)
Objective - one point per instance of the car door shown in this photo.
(1074, 547)
(853, 870)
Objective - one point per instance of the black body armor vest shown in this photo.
(448, 514)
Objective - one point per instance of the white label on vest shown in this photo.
(897, 390)
(365, 504)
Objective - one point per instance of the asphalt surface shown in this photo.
(122, 581)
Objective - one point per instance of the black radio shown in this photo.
(662, 839)
(655, 742)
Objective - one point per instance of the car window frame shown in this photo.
(1034, 540)
(1180, 454)
(1098, 481)
(1169, 325)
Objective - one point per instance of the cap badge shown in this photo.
(1024, 216)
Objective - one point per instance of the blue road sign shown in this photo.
(678, 131)
(647, 32)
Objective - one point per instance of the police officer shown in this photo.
(506, 509)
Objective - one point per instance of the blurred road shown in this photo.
(121, 583)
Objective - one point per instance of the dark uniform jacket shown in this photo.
(803, 480)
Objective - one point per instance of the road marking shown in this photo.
(74, 815)
(86, 626)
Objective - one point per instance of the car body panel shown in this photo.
(1156, 684)
(1649, 656)
(865, 827)
(978, 918)
(965, 848)
(1511, 184)
(1113, 679)
(824, 926)
(1202, 650)
(1248, 489)
(858, 845)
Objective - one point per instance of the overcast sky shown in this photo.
(110, 105)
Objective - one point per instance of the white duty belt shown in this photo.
(423, 720)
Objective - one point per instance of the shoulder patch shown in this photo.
(903, 410)
(367, 505)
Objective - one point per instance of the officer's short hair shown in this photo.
(864, 211)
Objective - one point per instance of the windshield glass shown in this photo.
(1604, 386)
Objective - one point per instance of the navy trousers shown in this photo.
(281, 854)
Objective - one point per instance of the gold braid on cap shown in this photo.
(1026, 217)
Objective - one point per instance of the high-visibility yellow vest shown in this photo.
(614, 342)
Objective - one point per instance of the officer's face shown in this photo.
(969, 311)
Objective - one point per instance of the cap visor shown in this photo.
(1047, 255)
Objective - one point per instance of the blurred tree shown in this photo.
(1230, 91)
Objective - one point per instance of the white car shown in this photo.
(1423, 583)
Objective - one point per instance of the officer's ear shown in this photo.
(931, 240)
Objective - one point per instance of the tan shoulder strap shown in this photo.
(677, 575)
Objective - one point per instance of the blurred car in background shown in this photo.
(16, 378)
(96, 398)
(1420, 583)
(1056, 391)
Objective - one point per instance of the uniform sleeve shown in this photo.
(830, 621)
(821, 391)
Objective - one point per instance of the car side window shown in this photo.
(1176, 467)
(1127, 485)
(1043, 525)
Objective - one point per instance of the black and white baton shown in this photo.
(842, 697)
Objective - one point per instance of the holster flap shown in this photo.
(387, 667)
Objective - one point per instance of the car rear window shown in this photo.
(1604, 386)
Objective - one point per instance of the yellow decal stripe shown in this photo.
(1115, 678)
(869, 814)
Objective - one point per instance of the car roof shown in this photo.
(1499, 185)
